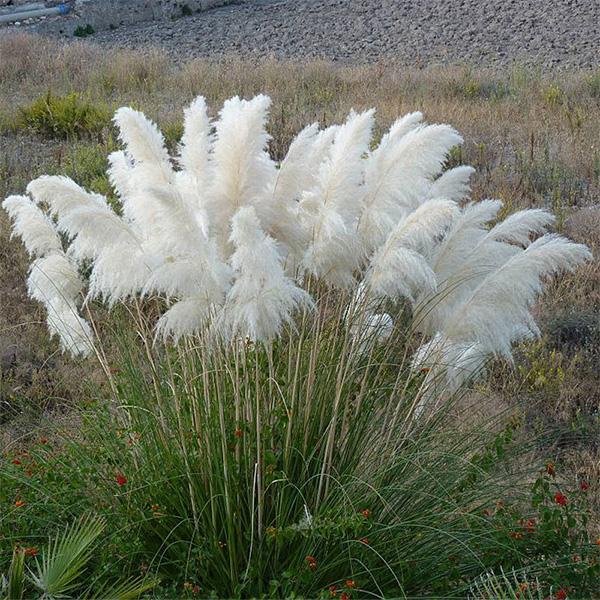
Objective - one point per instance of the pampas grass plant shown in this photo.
(296, 339)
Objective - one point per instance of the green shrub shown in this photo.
(63, 117)
(83, 31)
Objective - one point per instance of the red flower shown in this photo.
(550, 468)
(19, 503)
(332, 591)
(344, 596)
(238, 433)
(516, 535)
(312, 562)
(196, 589)
(16, 461)
(530, 526)
(31, 551)
(584, 486)
(560, 498)
(366, 513)
(561, 595)
(121, 479)
(350, 583)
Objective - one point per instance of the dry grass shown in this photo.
(533, 139)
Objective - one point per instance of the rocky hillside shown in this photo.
(545, 33)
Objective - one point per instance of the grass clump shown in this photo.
(65, 117)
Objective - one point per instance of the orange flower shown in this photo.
(31, 551)
(19, 503)
(366, 513)
(523, 587)
(598, 542)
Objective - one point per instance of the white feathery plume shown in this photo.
(454, 184)
(145, 146)
(242, 168)
(399, 267)
(75, 333)
(333, 205)
(262, 299)
(119, 173)
(35, 229)
(398, 177)
(499, 308)
(518, 227)
(196, 142)
(185, 317)
(54, 277)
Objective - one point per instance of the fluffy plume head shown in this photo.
(34, 227)
(263, 298)
(224, 235)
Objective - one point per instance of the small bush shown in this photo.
(83, 31)
(64, 117)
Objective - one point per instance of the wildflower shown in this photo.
(19, 503)
(332, 591)
(312, 562)
(523, 587)
(516, 535)
(598, 542)
(121, 480)
(344, 596)
(560, 499)
(364, 541)
(43, 441)
(350, 583)
(530, 527)
(561, 595)
(238, 433)
(196, 589)
(271, 531)
(584, 486)
(16, 461)
(155, 508)
(487, 512)
(550, 468)
(187, 585)
(366, 513)
(32, 551)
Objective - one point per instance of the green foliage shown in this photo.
(63, 565)
(65, 117)
(84, 31)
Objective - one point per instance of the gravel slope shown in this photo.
(546, 33)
